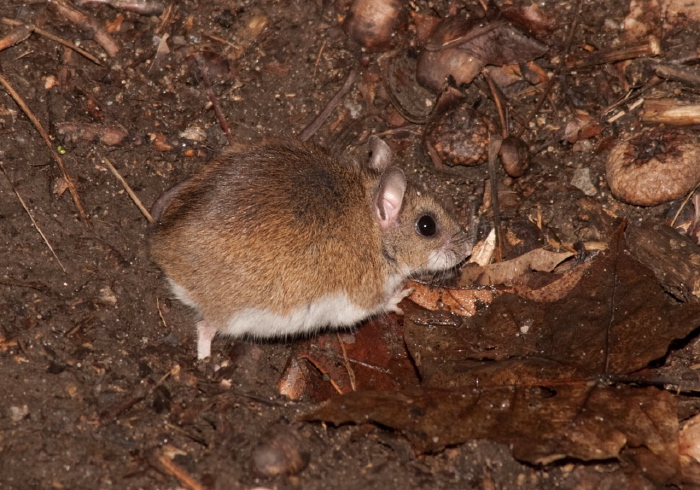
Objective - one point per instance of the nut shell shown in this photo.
(515, 156)
(372, 23)
(434, 67)
(655, 167)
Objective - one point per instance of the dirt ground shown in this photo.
(98, 373)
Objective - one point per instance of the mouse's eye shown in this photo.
(426, 225)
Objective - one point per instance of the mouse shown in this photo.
(282, 238)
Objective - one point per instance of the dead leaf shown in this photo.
(540, 424)
(464, 302)
(538, 397)
(509, 271)
(617, 319)
(689, 450)
(494, 43)
(581, 127)
(555, 290)
(461, 47)
(373, 357)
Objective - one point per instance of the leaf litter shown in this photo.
(540, 376)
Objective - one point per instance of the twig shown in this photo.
(69, 181)
(175, 470)
(160, 313)
(309, 131)
(684, 204)
(36, 225)
(212, 98)
(126, 404)
(318, 57)
(555, 75)
(87, 23)
(348, 367)
(128, 190)
(48, 35)
(15, 36)
(494, 148)
(672, 112)
(498, 97)
(688, 75)
(143, 7)
(648, 47)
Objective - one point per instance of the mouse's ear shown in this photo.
(389, 196)
(380, 154)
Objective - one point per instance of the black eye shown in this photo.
(426, 225)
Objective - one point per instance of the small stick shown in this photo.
(348, 367)
(309, 131)
(128, 190)
(318, 57)
(688, 75)
(494, 148)
(178, 472)
(620, 114)
(69, 181)
(555, 75)
(29, 213)
(15, 36)
(671, 111)
(87, 23)
(212, 98)
(120, 408)
(498, 100)
(166, 18)
(160, 313)
(48, 35)
(684, 204)
(143, 7)
(632, 95)
(650, 46)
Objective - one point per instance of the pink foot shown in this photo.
(205, 334)
(393, 303)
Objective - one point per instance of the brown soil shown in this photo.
(97, 363)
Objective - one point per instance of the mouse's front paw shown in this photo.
(393, 304)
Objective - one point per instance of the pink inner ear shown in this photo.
(389, 196)
(381, 154)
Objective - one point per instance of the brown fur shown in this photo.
(279, 226)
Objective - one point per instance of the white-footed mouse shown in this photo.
(283, 238)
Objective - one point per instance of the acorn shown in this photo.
(373, 23)
(654, 167)
(515, 156)
(460, 136)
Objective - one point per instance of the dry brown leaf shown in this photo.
(689, 450)
(537, 398)
(555, 290)
(465, 302)
(540, 424)
(372, 358)
(617, 319)
(510, 271)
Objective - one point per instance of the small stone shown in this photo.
(582, 180)
(280, 452)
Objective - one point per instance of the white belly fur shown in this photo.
(333, 310)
